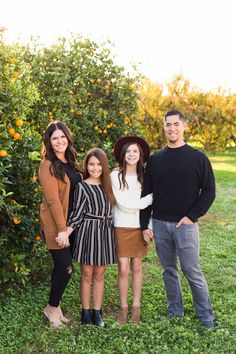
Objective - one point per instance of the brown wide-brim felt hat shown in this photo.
(131, 139)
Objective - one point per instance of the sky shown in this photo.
(162, 37)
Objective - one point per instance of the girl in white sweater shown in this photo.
(131, 152)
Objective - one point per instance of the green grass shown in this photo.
(24, 330)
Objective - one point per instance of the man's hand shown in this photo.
(148, 235)
(63, 239)
(184, 221)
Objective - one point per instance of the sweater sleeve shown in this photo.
(125, 200)
(207, 191)
(145, 214)
(79, 205)
(50, 188)
(131, 205)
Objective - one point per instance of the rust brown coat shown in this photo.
(54, 208)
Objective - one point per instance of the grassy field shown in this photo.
(24, 330)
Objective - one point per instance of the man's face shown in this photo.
(174, 129)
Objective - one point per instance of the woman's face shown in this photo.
(94, 168)
(59, 142)
(132, 155)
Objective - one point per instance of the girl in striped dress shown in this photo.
(94, 245)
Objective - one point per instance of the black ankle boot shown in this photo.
(97, 318)
(86, 317)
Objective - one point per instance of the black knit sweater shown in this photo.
(182, 183)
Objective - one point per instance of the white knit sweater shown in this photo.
(128, 201)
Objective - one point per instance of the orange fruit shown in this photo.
(36, 190)
(16, 136)
(34, 179)
(11, 131)
(16, 220)
(37, 238)
(15, 75)
(19, 123)
(13, 202)
(3, 153)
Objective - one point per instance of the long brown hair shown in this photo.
(105, 176)
(122, 165)
(57, 168)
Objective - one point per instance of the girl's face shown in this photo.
(59, 141)
(94, 168)
(132, 155)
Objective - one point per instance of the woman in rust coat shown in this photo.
(59, 172)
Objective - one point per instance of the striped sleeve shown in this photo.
(79, 205)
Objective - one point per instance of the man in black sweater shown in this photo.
(183, 186)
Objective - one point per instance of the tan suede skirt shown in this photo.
(129, 242)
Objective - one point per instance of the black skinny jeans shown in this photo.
(61, 274)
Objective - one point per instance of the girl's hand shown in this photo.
(63, 239)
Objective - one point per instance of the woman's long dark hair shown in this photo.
(57, 168)
(105, 176)
(122, 165)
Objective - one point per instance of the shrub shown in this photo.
(75, 81)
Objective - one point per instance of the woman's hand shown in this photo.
(63, 239)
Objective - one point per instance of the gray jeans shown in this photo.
(183, 243)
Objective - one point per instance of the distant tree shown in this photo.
(151, 110)
(210, 115)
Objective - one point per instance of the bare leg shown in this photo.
(85, 284)
(98, 286)
(136, 287)
(123, 283)
(136, 264)
(123, 280)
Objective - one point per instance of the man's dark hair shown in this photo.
(174, 112)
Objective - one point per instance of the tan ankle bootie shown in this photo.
(123, 315)
(135, 315)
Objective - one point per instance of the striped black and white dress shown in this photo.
(92, 219)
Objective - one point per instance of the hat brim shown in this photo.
(136, 140)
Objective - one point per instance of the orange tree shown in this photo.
(75, 81)
(17, 143)
(81, 86)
